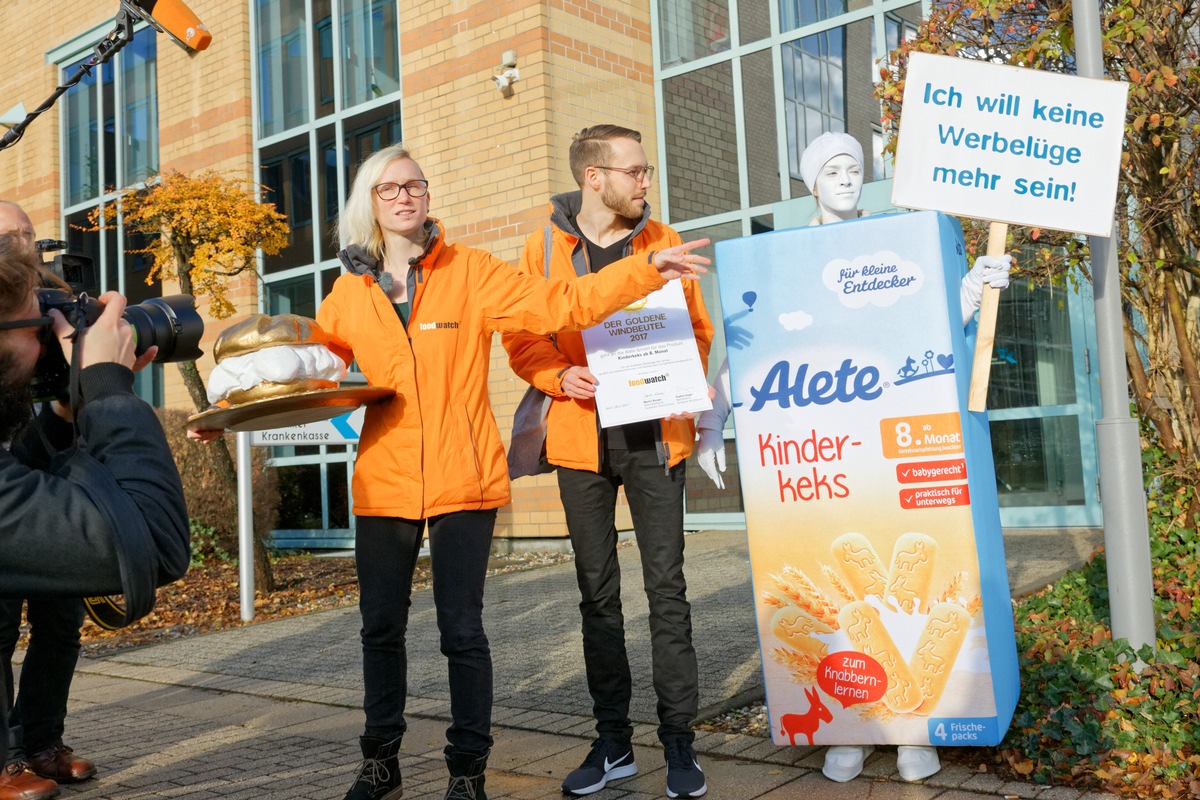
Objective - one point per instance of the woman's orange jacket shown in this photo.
(434, 448)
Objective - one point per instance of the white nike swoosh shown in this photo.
(608, 766)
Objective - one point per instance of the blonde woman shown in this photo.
(417, 312)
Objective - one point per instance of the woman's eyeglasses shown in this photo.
(390, 191)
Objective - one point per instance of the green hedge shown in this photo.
(1088, 716)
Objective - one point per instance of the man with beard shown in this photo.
(606, 220)
(38, 759)
(89, 505)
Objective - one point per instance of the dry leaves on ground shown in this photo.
(208, 597)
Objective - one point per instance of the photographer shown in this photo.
(90, 502)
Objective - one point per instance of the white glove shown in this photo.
(992, 271)
(709, 426)
(715, 418)
(711, 454)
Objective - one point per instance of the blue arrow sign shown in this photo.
(342, 425)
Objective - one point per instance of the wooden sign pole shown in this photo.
(988, 306)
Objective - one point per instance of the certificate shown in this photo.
(645, 361)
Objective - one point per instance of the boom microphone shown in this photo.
(173, 18)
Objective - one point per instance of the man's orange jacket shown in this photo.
(434, 448)
(572, 428)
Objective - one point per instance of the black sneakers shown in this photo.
(684, 776)
(609, 760)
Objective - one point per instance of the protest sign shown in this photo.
(1009, 144)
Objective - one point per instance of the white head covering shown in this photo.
(823, 148)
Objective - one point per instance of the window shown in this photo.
(282, 65)
(327, 96)
(702, 157)
(899, 29)
(884, 164)
(731, 129)
(371, 67)
(110, 141)
(286, 172)
(307, 157)
(293, 296)
(286, 175)
(900, 26)
(361, 52)
(798, 13)
(814, 89)
(110, 122)
(692, 29)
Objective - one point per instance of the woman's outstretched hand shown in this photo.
(678, 262)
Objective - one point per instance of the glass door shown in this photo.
(1042, 401)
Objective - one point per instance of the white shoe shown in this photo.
(915, 763)
(845, 762)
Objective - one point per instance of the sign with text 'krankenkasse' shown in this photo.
(344, 429)
(1009, 144)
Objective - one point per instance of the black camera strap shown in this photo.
(74, 393)
(107, 612)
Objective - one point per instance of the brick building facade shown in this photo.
(295, 93)
(494, 160)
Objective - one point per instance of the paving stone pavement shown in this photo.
(273, 710)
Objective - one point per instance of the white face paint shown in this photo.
(839, 186)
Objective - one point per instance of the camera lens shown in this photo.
(170, 322)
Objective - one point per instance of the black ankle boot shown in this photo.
(466, 774)
(379, 774)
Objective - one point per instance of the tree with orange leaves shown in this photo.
(204, 230)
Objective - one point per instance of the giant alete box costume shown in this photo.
(882, 598)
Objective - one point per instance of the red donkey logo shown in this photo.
(808, 722)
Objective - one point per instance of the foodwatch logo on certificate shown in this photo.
(645, 361)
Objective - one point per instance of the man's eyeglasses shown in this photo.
(390, 191)
(637, 173)
(46, 324)
(39, 322)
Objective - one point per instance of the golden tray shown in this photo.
(300, 408)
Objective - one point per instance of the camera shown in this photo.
(172, 322)
(76, 270)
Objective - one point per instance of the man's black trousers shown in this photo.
(655, 498)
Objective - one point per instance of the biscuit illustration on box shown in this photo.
(795, 627)
(860, 564)
(808, 619)
(936, 651)
(869, 636)
(277, 371)
(912, 571)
